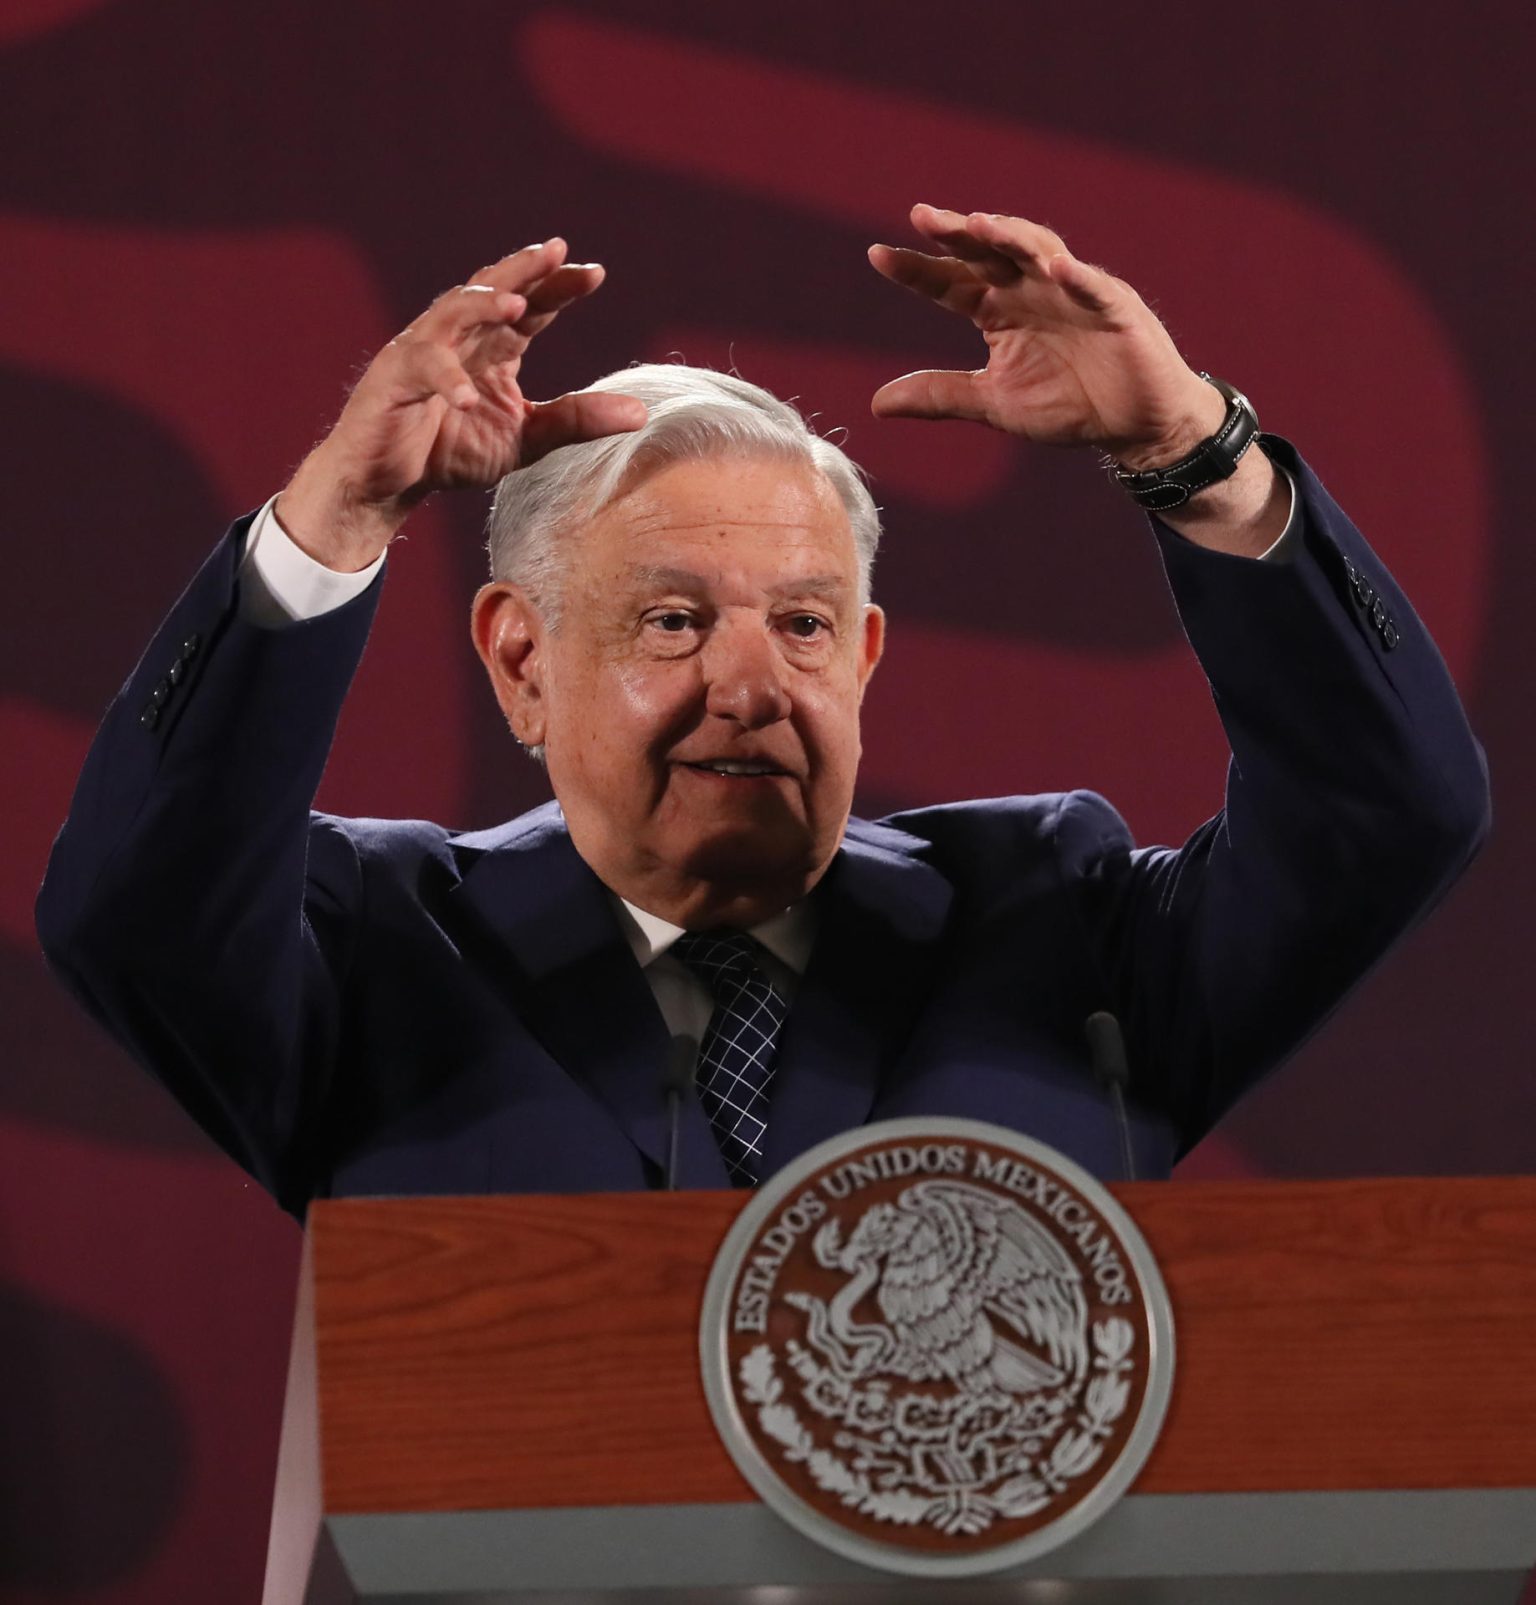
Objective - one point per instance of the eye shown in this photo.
(805, 625)
(673, 622)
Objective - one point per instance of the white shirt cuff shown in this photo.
(281, 584)
(1283, 551)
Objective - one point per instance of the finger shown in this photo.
(1089, 286)
(930, 393)
(565, 284)
(943, 279)
(523, 268)
(579, 415)
(430, 369)
(496, 343)
(491, 346)
(1029, 245)
(949, 229)
(489, 273)
(459, 312)
(551, 296)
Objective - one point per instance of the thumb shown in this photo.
(578, 415)
(931, 393)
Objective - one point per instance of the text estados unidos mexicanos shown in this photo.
(754, 1287)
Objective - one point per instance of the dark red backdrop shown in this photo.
(210, 216)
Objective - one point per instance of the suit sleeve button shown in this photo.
(150, 717)
(159, 696)
(190, 646)
(177, 671)
(1389, 635)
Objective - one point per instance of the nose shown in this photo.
(744, 674)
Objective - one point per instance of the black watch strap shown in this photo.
(1160, 490)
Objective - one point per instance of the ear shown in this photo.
(871, 644)
(509, 636)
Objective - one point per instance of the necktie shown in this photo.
(736, 1057)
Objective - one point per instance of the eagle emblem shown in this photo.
(947, 1362)
(970, 1289)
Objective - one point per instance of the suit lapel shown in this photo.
(578, 988)
(881, 914)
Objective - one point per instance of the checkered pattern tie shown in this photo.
(736, 1058)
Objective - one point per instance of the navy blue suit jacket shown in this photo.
(385, 1006)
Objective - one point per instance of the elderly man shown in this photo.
(679, 623)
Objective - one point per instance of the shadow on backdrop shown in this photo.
(82, 1504)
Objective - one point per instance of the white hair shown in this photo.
(692, 413)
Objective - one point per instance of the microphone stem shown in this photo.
(1106, 1050)
(678, 1082)
(674, 1125)
(1127, 1159)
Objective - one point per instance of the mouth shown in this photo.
(737, 769)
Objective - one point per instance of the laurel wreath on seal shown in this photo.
(967, 1511)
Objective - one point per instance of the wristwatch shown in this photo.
(1215, 458)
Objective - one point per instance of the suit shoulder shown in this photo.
(404, 844)
(1076, 827)
(379, 839)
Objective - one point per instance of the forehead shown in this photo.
(728, 515)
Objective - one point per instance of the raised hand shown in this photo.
(1075, 356)
(441, 407)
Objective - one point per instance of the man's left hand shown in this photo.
(1075, 358)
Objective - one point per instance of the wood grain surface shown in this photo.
(522, 1351)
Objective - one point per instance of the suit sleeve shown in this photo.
(1356, 794)
(189, 903)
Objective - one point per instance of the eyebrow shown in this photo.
(648, 577)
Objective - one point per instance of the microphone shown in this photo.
(1106, 1048)
(676, 1083)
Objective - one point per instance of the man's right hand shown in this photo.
(440, 408)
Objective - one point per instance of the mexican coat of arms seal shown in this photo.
(937, 1346)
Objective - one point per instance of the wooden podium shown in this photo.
(498, 1399)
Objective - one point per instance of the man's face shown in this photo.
(699, 704)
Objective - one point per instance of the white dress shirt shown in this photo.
(681, 996)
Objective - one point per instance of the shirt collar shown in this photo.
(788, 936)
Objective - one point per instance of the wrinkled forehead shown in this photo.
(781, 521)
